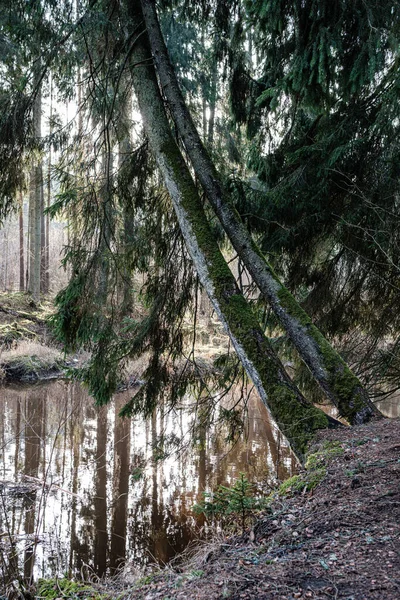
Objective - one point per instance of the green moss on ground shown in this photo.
(50, 589)
(315, 470)
(299, 483)
(12, 333)
(324, 456)
(27, 351)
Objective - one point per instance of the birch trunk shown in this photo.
(297, 418)
(337, 381)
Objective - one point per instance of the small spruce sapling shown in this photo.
(238, 501)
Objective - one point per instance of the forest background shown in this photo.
(267, 141)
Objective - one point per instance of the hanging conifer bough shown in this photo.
(333, 375)
(297, 418)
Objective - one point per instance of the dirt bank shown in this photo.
(28, 351)
(338, 540)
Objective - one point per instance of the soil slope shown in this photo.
(339, 540)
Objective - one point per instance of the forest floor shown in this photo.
(21, 318)
(28, 351)
(340, 539)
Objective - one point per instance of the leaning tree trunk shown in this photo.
(337, 381)
(297, 418)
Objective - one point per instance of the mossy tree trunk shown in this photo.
(298, 418)
(337, 381)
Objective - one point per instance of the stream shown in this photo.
(82, 493)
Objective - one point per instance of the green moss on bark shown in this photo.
(341, 386)
(298, 419)
(294, 415)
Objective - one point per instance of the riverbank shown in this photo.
(337, 539)
(28, 351)
(333, 531)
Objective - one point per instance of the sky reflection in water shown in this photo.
(79, 489)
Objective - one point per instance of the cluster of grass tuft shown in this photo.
(50, 589)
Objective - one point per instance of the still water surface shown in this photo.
(80, 489)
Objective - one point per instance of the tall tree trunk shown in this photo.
(31, 232)
(42, 246)
(124, 150)
(28, 246)
(204, 95)
(5, 259)
(47, 240)
(104, 245)
(335, 378)
(213, 101)
(297, 418)
(73, 217)
(21, 244)
(38, 233)
(36, 204)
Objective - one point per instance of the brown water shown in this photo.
(80, 489)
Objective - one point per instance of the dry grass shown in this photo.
(29, 348)
(199, 552)
(30, 361)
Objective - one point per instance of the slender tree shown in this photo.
(21, 244)
(36, 199)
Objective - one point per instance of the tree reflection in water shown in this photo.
(82, 488)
